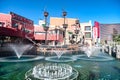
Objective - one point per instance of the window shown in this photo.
(22, 29)
(15, 25)
(39, 33)
(115, 31)
(2, 24)
(88, 35)
(87, 28)
(27, 31)
(60, 32)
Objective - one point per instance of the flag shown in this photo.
(98, 28)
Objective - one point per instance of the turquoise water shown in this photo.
(88, 70)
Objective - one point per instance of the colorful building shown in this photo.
(54, 34)
(108, 30)
(15, 26)
(86, 31)
(70, 30)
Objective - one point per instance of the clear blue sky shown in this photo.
(103, 11)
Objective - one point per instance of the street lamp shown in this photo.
(64, 26)
(56, 30)
(77, 28)
(76, 32)
(46, 27)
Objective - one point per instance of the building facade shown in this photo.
(78, 31)
(108, 30)
(86, 32)
(71, 22)
(15, 27)
(54, 34)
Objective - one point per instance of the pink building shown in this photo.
(15, 25)
(52, 35)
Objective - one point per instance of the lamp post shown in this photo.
(56, 30)
(64, 26)
(46, 27)
(76, 32)
(77, 28)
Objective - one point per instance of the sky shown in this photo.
(103, 11)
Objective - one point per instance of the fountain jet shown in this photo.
(19, 49)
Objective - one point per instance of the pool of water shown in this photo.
(88, 69)
(24, 58)
(61, 59)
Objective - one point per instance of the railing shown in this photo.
(30, 39)
(46, 48)
(113, 43)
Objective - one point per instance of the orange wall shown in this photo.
(60, 21)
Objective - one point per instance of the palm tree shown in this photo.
(116, 38)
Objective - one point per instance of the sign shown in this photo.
(20, 18)
(98, 29)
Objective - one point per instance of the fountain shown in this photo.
(93, 54)
(58, 68)
(59, 53)
(59, 57)
(20, 48)
(24, 58)
(88, 50)
(51, 71)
